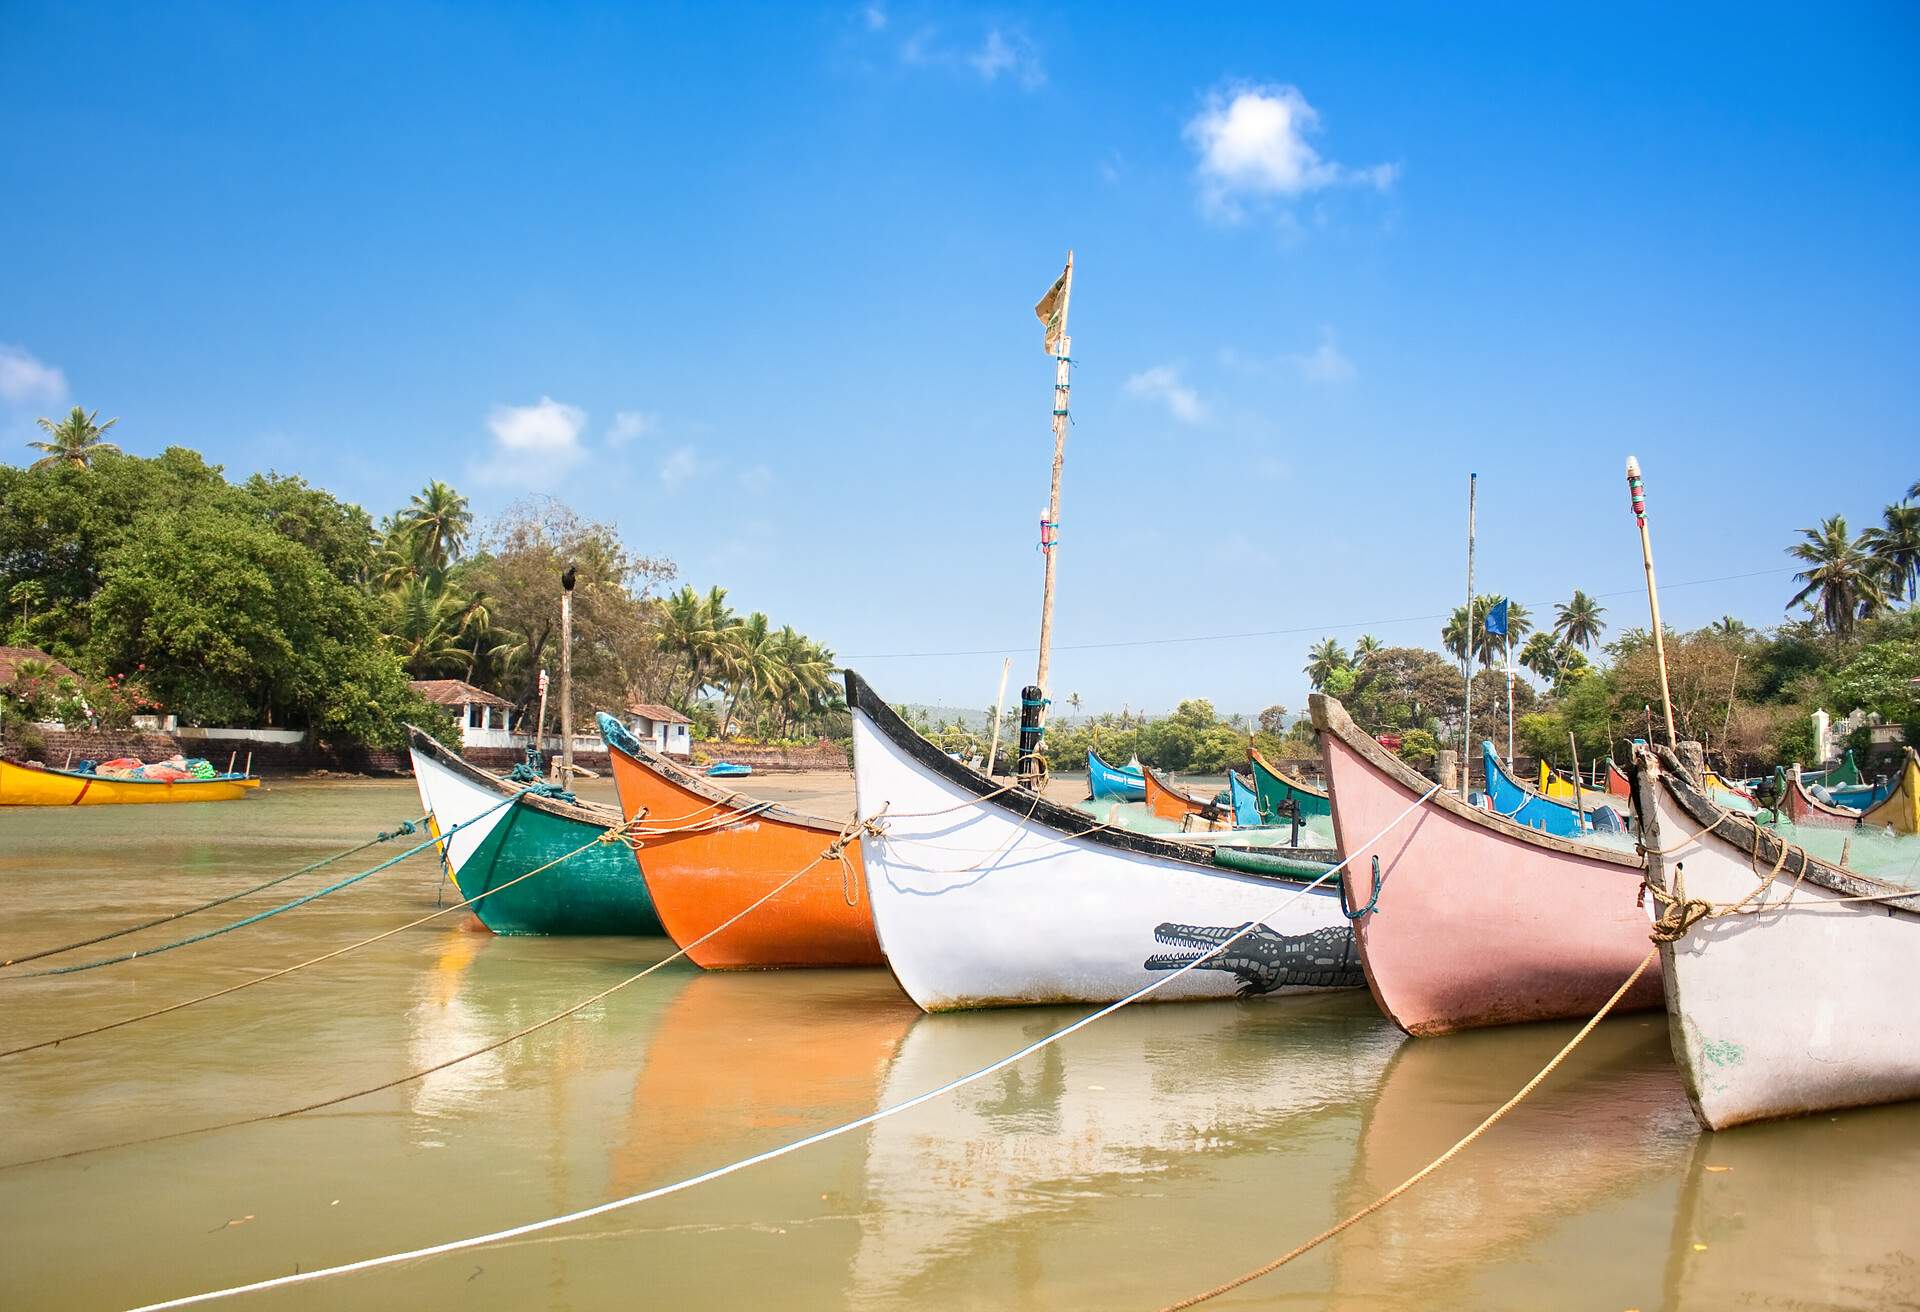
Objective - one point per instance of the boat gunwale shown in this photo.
(227, 779)
(1259, 762)
(688, 781)
(1801, 796)
(1909, 773)
(1041, 810)
(589, 813)
(1330, 717)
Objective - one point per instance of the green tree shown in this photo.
(1576, 622)
(1323, 658)
(1487, 647)
(75, 440)
(1894, 547)
(436, 523)
(1841, 584)
(1543, 655)
(1365, 647)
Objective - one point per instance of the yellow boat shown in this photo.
(23, 786)
(1900, 809)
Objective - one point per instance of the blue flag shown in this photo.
(1497, 619)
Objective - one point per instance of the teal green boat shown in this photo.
(1274, 787)
(598, 890)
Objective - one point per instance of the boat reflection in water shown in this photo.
(1549, 1198)
(1078, 1176)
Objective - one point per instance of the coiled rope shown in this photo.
(796, 1145)
(610, 835)
(1432, 1166)
(406, 827)
(836, 850)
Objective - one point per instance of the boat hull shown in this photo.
(1275, 788)
(982, 902)
(1785, 1012)
(20, 786)
(1900, 809)
(1478, 921)
(1513, 800)
(1246, 802)
(597, 891)
(1169, 803)
(1110, 783)
(703, 868)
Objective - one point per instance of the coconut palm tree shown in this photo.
(1323, 658)
(1728, 628)
(1543, 655)
(756, 670)
(1841, 584)
(75, 440)
(1365, 647)
(1486, 646)
(1894, 545)
(1577, 621)
(436, 520)
(426, 627)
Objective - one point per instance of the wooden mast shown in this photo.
(1466, 641)
(1637, 493)
(999, 711)
(566, 677)
(1062, 347)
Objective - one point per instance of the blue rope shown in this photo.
(273, 911)
(1373, 903)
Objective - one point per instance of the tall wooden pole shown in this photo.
(1637, 492)
(1050, 528)
(999, 711)
(1579, 801)
(566, 677)
(1467, 637)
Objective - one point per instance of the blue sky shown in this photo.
(756, 284)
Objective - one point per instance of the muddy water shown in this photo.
(1143, 1159)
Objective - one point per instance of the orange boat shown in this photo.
(708, 854)
(1176, 804)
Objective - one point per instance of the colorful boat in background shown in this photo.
(595, 891)
(1806, 1006)
(710, 854)
(1113, 783)
(31, 785)
(1178, 805)
(1246, 802)
(986, 897)
(1278, 791)
(1513, 800)
(1475, 920)
(1560, 788)
(1899, 810)
(728, 770)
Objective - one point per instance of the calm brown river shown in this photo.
(1148, 1157)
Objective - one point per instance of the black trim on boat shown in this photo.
(647, 759)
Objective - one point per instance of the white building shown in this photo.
(485, 720)
(662, 727)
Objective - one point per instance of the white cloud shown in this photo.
(1162, 383)
(1326, 363)
(630, 424)
(681, 464)
(1003, 52)
(756, 478)
(25, 380)
(551, 427)
(1252, 143)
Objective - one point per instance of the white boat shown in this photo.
(989, 896)
(1799, 1001)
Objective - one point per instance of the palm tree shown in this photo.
(1894, 545)
(1365, 647)
(75, 440)
(1842, 584)
(1543, 655)
(1485, 648)
(1577, 621)
(437, 521)
(757, 670)
(1728, 628)
(426, 627)
(1323, 658)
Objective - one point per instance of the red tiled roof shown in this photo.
(11, 657)
(658, 714)
(456, 692)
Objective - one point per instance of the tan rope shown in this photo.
(1430, 1167)
(610, 835)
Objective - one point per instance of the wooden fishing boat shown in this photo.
(728, 770)
(992, 896)
(596, 891)
(22, 785)
(709, 854)
(1801, 1003)
(1716, 784)
(1113, 783)
(1478, 920)
(1515, 801)
(1617, 784)
(1177, 804)
(1801, 807)
(1560, 788)
(1246, 801)
(1900, 809)
(1276, 789)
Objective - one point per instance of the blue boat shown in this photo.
(1246, 802)
(728, 770)
(1521, 804)
(1114, 783)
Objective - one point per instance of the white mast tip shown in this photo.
(1633, 467)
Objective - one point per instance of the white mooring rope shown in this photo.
(720, 1172)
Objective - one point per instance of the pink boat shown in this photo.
(1476, 920)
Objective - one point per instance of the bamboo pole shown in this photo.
(999, 711)
(1466, 644)
(566, 677)
(1726, 728)
(1638, 495)
(1050, 545)
(1579, 799)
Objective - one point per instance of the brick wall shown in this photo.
(64, 745)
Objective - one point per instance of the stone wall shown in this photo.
(64, 745)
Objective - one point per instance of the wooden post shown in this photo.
(540, 724)
(1726, 729)
(1579, 800)
(249, 765)
(232, 756)
(999, 710)
(566, 676)
(1050, 527)
(1637, 493)
(1466, 638)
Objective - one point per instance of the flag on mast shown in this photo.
(1052, 309)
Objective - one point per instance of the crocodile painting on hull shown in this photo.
(1263, 960)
